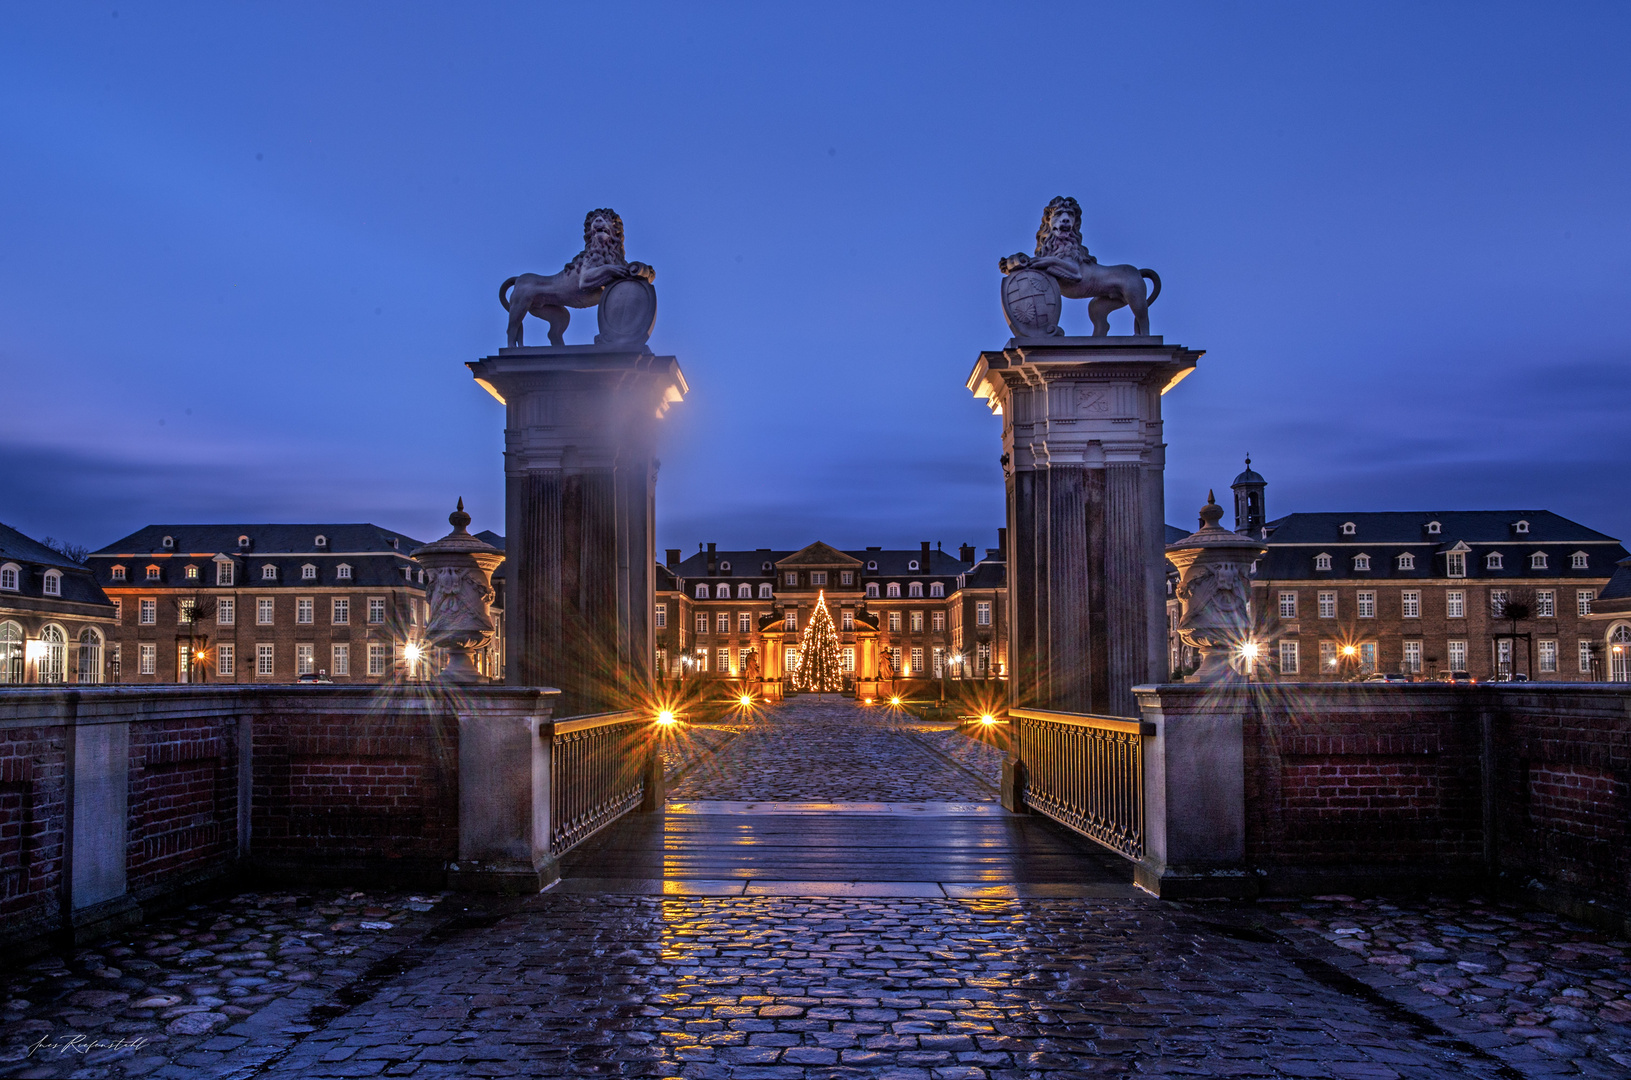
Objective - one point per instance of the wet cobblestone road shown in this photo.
(316, 984)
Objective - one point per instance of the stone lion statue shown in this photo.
(1061, 254)
(580, 283)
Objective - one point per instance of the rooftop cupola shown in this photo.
(1250, 511)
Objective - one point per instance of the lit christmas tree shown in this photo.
(819, 669)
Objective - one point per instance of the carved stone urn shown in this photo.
(1215, 587)
(459, 576)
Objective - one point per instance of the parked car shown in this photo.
(1512, 677)
(319, 677)
(1456, 677)
(1388, 677)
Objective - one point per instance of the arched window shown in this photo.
(764, 590)
(53, 583)
(702, 592)
(11, 653)
(169, 541)
(937, 589)
(53, 655)
(915, 589)
(1407, 561)
(724, 568)
(872, 590)
(1492, 561)
(1537, 561)
(10, 577)
(912, 565)
(321, 540)
(893, 590)
(90, 656)
(1434, 528)
(744, 592)
(1348, 528)
(872, 566)
(1521, 527)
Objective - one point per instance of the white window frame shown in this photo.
(265, 611)
(223, 574)
(872, 590)
(1546, 655)
(265, 660)
(1497, 602)
(343, 572)
(937, 621)
(917, 661)
(1288, 605)
(1328, 656)
(1289, 660)
(1361, 562)
(722, 661)
(339, 611)
(702, 622)
(846, 659)
(1585, 656)
(1580, 561)
(308, 572)
(147, 612)
(1545, 603)
(847, 577)
(268, 572)
(116, 573)
(1366, 604)
(53, 583)
(744, 622)
(892, 590)
(226, 660)
(1537, 561)
(937, 588)
(11, 574)
(1583, 599)
(915, 622)
(790, 579)
(1494, 561)
(982, 613)
(1411, 658)
(702, 591)
(1455, 604)
(765, 591)
(379, 658)
(376, 610)
(1322, 561)
(147, 658)
(1410, 603)
(1451, 649)
(915, 590)
(1455, 564)
(1328, 604)
(152, 573)
(305, 610)
(305, 658)
(744, 591)
(818, 577)
(791, 619)
(722, 623)
(660, 617)
(894, 622)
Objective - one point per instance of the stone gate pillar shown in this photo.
(1084, 459)
(580, 471)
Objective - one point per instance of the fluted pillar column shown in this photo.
(1084, 459)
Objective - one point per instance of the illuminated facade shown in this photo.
(904, 614)
(55, 624)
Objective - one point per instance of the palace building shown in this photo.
(263, 603)
(1492, 593)
(54, 621)
(907, 614)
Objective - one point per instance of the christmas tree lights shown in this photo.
(819, 670)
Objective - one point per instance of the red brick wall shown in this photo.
(32, 764)
(183, 800)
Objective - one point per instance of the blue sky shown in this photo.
(246, 249)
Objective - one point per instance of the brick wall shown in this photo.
(32, 763)
(183, 817)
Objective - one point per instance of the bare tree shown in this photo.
(77, 553)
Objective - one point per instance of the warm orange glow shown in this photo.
(1249, 651)
(868, 701)
(988, 719)
(745, 700)
(412, 653)
(894, 701)
(1348, 650)
(665, 717)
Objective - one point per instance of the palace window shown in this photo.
(268, 572)
(1583, 599)
(1288, 605)
(724, 567)
(9, 576)
(1545, 604)
(341, 660)
(191, 573)
(147, 659)
(1407, 561)
(1288, 658)
(1328, 655)
(982, 613)
(1367, 656)
(982, 657)
(263, 659)
(1328, 605)
(661, 617)
(186, 611)
(917, 661)
(912, 565)
(1492, 561)
(872, 566)
(53, 583)
(937, 621)
(1455, 604)
(846, 620)
(1457, 652)
(1410, 604)
(1412, 657)
(118, 609)
(723, 623)
(791, 621)
(343, 573)
(937, 588)
(148, 614)
(1348, 528)
(790, 660)
(872, 590)
(226, 660)
(1361, 562)
(847, 577)
(1434, 528)
(790, 578)
(1585, 656)
(117, 573)
(702, 622)
(1548, 655)
(152, 573)
(915, 589)
(223, 573)
(764, 591)
(226, 611)
(379, 658)
(702, 592)
(169, 541)
(1521, 527)
(305, 659)
(1497, 603)
(894, 620)
(818, 577)
(846, 659)
(1455, 564)
(340, 611)
(744, 591)
(723, 659)
(303, 609)
(893, 590)
(1322, 561)
(376, 610)
(701, 660)
(1367, 604)
(1537, 561)
(1579, 561)
(744, 622)
(742, 660)
(263, 611)
(916, 622)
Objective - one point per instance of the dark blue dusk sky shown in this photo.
(246, 249)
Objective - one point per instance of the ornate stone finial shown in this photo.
(459, 519)
(459, 591)
(1211, 513)
(597, 275)
(1062, 267)
(1214, 587)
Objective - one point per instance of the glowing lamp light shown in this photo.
(1249, 651)
(894, 701)
(745, 700)
(665, 717)
(1348, 650)
(988, 719)
(412, 653)
(868, 701)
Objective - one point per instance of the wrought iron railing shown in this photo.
(1085, 772)
(597, 774)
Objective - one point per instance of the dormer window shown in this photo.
(117, 573)
(1361, 562)
(1349, 528)
(1434, 528)
(152, 573)
(724, 568)
(1521, 528)
(169, 542)
(937, 589)
(1537, 561)
(872, 590)
(872, 566)
(744, 591)
(1407, 561)
(191, 573)
(223, 572)
(764, 568)
(243, 542)
(912, 565)
(343, 571)
(321, 541)
(268, 572)
(308, 572)
(702, 592)
(1579, 561)
(1322, 561)
(764, 590)
(1455, 564)
(1492, 561)
(11, 574)
(915, 589)
(53, 583)
(893, 591)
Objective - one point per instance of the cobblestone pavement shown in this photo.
(832, 750)
(979, 754)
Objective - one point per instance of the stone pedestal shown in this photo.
(580, 470)
(1084, 459)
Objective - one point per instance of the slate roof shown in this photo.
(1619, 584)
(78, 584)
(1410, 527)
(265, 539)
(368, 549)
(891, 563)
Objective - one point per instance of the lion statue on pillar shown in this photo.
(580, 284)
(1061, 255)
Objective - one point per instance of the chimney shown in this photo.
(965, 553)
(923, 561)
(673, 559)
(713, 561)
(1002, 543)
